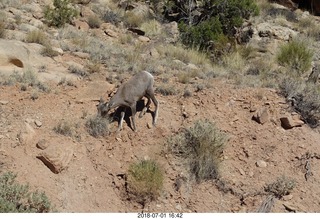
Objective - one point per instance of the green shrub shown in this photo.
(145, 181)
(281, 187)
(215, 20)
(61, 14)
(16, 198)
(200, 147)
(203, 34)
(295, 55)
(97, 126)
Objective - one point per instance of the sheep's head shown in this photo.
(103, 108)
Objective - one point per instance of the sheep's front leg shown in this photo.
(143, 112)
(133, 112)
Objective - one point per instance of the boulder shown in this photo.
(57, 155)
(13, 53)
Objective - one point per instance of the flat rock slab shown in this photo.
(57, 156)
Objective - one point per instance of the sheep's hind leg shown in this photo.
(121, 120)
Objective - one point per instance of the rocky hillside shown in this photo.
(51, 79)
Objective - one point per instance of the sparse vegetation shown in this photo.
(94, 21)
(65, 128)
(295, 55)
(49, 51)
(145, 181)
(78, 71)
(98, 126)
(111, 17)
(200, 147)
(166, 89)
(26, 79)
(16, 198)
(37, 36)
(133, 20)
(281, 187)
(304, 97)
(62, 13)
(2, 29)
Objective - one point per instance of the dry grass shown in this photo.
(281, 187)
(310, 27)
(2, 29)
(185, 55)
(200, 148)
(94, 21)
(152, 28)
(98, 126)
(37, 36)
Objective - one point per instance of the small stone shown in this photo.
(178, 207)
(38, 123)
(242, 172)
(4, 102)
(261, 163)
(288, 122)
(111, 33)
(149, 126)
(287, 197)
(42, 144)
(261, 116)
(144, 39)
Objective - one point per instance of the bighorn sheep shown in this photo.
(127, 95)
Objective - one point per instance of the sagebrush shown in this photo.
(16, 198)
(145, 181)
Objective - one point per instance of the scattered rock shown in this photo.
(82, 55)
(38, 123)
(111, 33)
(137, 31)
(42, 144)
(261, 163)
(290, 207)
(241, 171)
(287, 197)
(4, 102)
(288, 122)
(144, 39)
(261, 116)
(81, 25)
(27, 134)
